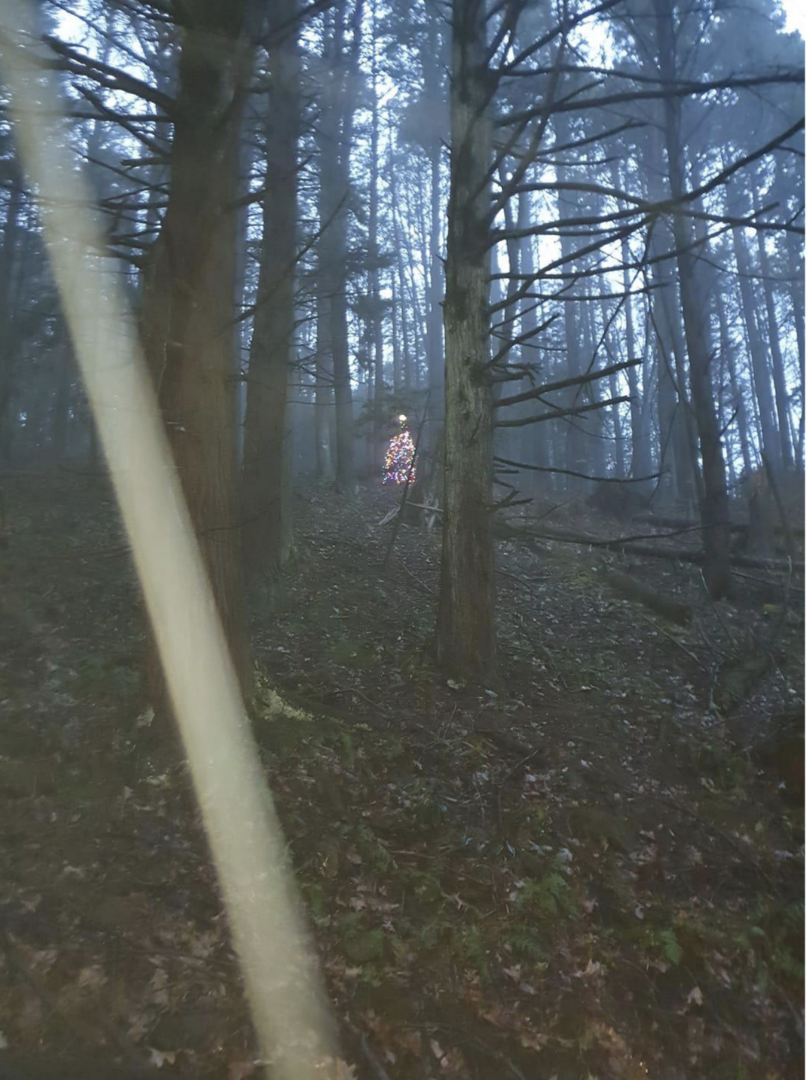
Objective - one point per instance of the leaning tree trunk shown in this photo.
(713, 498)
(466, 637)
(266, 505)
(188, 305)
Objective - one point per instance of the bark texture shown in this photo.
(188, 303)
(266, 503)
(466, 637)
(713, 498)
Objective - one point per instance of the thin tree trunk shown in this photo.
(738, 398)
(266, 504)
(60, 408)
(796, 272)
(640, 445)
(407, 372)
(574, 434)
(778, 364)
(434, 101)
(772, 446)
(714, 500)
(335, 139)
(324, 392)
(376, 306)
(11, 264)
(535, 437)
(398, 374)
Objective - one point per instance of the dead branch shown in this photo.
(631, 589)
(630, 546)
(583, 476)
(562, 384)
(558, 414)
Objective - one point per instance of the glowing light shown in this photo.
(399, 461)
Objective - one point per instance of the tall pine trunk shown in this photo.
(266, 504)
(714, 503)
(334, 138)
(466, 637)
(775, 350)
(188, 304)
(758, 353)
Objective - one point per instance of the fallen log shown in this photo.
(630, 546)
(668, 521)
(628, 587)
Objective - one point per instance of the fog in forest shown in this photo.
(402, 473)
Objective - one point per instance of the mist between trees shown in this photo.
(555, 248)
(578, 227)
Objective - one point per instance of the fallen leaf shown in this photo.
(592, 968)
(158, 1058)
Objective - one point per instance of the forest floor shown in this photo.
(574, 871)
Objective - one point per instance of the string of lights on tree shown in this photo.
(399, 459)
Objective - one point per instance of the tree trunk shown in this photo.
(60, 408)
(376, 358)
(796, 272)
(640, 444)
(535, 437)
(713, 498)
(778, 365)
(434, 100)
(738, 397)
(407, 367)
(398, 373)
(466, 637)
(573, 431)
(188, 308)
(266, 503)
(11, 264)
(677, 450)
(323, 392)
(335, 137)
(757, 353)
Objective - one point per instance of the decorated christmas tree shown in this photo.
(399, 460)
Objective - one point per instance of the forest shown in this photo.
(402, 601)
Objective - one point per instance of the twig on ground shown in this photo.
(376, 1066)
(718, 614)
(678, 644)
